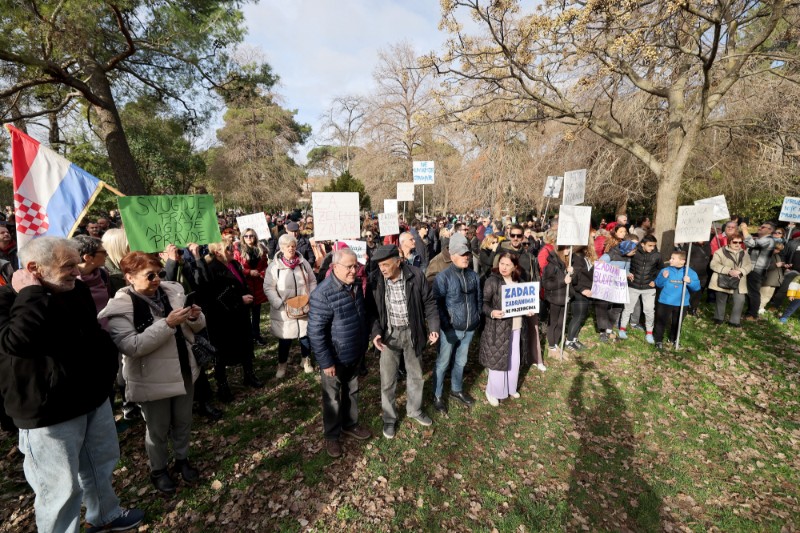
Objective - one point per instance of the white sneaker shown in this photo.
(307, 368)
(281, 370)
(541, 367)
(762, 311)
(514, 395)
(494, 402)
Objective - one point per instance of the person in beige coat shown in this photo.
(154, 330)
(731, 260)
(289, 275)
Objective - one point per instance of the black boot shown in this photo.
(251, 380)
(162, 481)
(224, 392)
(183, 469)
(209, 411)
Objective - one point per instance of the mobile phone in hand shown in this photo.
(189, 301)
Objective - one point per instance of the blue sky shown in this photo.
(326, 48)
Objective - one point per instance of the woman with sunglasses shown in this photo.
(226, 302)
(252, 255)
(154, 330)
(732, 261)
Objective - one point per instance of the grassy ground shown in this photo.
(620, 438)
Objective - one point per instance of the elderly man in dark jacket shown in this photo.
(400, 305)
(458, 297)
(645, 265)
(58, 367)
(337, 329)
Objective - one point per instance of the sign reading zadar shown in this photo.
(153, 222)
(520, 298)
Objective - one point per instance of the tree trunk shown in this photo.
(119, 153)
(666, 212)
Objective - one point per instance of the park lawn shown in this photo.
(618, 438)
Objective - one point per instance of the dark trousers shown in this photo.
(667, 315)
(580, 310)
(607, 314)
(555, 324)
(340, 400)
(255, 320)
(285, 344)
(202, 388)
(754, 282)
(221, 372)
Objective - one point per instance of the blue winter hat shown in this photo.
(626, 247)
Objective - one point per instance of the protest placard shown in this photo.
(720, 206)
(520, 298)
(388, 224)
(609, 283)
(574, 223)
(574, 187)
(335, 215)
(360, 249)
(390, 206)
(257, 222)
(153, 222)
(423, 172)
(790, 210)
(405, 191)
(552, 187)
(694, 223)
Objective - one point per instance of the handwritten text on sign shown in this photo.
(574, 223)
(720, 206)
(790, 211)
(153, 222)
(552, 187)
(360, 249)
(694, 223)
(520, 298)
(574, 187)
(388, 224)
(423, 172)
(609, 283)
(405, 191)
(335, 215)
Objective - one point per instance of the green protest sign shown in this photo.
(153, 222)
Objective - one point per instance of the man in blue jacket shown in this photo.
(670, 280)
(458, 297)
(337, 329)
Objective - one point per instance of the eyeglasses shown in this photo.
(369, 235)
(349, 268)
(736, 242)
(249, 236)
(151, 276)
(516, 235)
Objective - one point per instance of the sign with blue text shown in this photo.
(423, 172)
(790, 211)
(520, 299)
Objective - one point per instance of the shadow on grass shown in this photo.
(606, 489)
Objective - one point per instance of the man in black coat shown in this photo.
(401, 303)
(58, 368)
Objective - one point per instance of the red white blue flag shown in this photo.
(50, 193)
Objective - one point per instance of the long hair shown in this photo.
(516, 274)
(245, 248)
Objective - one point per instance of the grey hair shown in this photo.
(287, 238)
(43, 250)
(87, 245)
(338, 255)
(405, 236)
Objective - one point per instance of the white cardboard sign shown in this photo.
(335, 215)
(360, 248)
(694, 223)
(574, 223)
(552, 187)
(390, 206)
(405, 191)
(574, 187)
(720, 206)
(519, 299)
(423, 172)
(388, 224)
(256, 221)
(790, 211)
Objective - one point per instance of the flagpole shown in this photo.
(112, 189)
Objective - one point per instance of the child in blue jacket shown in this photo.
(670, 280)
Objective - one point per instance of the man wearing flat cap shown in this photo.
(401, 303)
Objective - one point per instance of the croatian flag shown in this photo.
(50, 193)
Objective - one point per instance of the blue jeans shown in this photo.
(448, 341)
(69, 462)
(793, 306)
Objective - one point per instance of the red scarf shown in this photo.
(291, 263)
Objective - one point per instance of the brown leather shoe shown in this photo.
(357, 432)
(333, 447)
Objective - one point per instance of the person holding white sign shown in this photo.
(501, 345)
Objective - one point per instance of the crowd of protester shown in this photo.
(150, 320)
